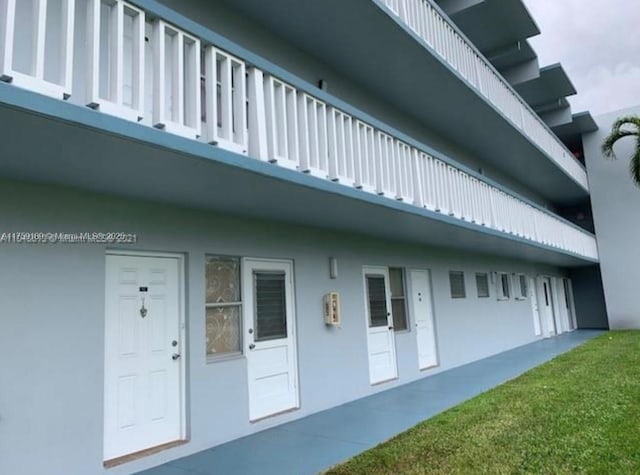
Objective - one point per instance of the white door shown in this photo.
(143, 370)
(269, 322)
(380, 336)
(535, 309)
(422, 311)
(546, 306)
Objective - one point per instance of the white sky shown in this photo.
(598, 43)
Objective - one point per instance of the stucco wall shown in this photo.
(616, 212)
(52, 311)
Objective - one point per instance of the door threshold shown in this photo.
(385, 381)
(429, 367)
(142, 453)
(275, 414)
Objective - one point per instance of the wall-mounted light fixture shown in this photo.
(333, 267)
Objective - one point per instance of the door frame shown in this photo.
(384, 271)
(294, 328)
(182, 312)
(433, 313)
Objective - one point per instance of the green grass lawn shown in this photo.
(579, 413)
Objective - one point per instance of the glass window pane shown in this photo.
(396, 282)
(223, 279)
(271, 310)
(223, 330)
(456, 282)
(482, 284)
(377, 296)
(524, 291)
(399, 311)
(504, 278)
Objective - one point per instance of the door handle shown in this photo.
(252, 346)
(390, 328)
(175, 356)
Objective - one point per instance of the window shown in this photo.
(271, 306)
(398, 299)
(456, 281)
(523, 288)
(376, 293)
(503, 287)
(482, 284)
(223, 306)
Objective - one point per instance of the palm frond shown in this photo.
(632, 120)
(618, 131)
(610, 141)
(634, 165)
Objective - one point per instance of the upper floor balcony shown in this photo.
(411, 54)
(138, 94)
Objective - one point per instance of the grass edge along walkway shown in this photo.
(578, 413)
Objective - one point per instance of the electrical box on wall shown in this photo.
(332, 308)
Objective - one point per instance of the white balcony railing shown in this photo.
(435, 29)
(184, 85)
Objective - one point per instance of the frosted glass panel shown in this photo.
(223, 330)
(223, 279)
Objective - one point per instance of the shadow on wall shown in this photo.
(588, 293)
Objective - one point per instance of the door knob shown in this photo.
(175, 356)
(252, 346)
(390, 328)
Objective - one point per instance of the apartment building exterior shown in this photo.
(220, 216)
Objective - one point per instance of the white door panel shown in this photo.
(422, 311)
(379, 320)
(269, 322)
(142, 406)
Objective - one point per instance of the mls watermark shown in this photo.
(67, 238)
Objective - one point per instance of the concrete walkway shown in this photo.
(319, 441)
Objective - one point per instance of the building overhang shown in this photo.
(492, 24)
(518, 54)
(580, 123)
(48, 141)
(551, 87)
